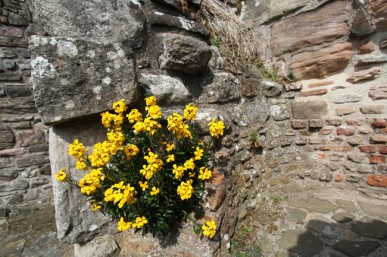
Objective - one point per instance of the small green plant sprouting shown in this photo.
(277, 199)
(216, 41)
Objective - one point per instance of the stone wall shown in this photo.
(24, 163)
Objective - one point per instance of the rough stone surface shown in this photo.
(100, 247)
(372, 59)
(184, 53)
(368, 74)
(7, 138)
(369, 227)
(293, 33)
(309, 109)
(322, 62)
(315, 204)
(76, 222)
(270, 88)
(372, 109)
(108, 22)
(295, 215)
(374, 210)
(378, 9)
(356, 248)
(166, 89)
(366, 47)
(361, 24)
(224, 87)
(310, 245)
(76, 78)
(347, 98)
(378, 92)
(343, 217)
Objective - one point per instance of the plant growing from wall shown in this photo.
(150, 172)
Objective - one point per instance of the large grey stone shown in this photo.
(347, 98)
(302, 242)
(105, 21)
(99, 247)
(372, 58)
(76, 222)
(323, 226)
(309, 109)
(250, 112)
(166, 89)
(184, 53)
(270, 88)
(313, 204)
(374, 209)
(356, 248)
(370, 227)
(343, 217)
(361, 24)
(294, 215)
(223, 87)
(279, 112)
(75, 78)
(7, 138)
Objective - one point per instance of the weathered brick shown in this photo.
(372, 109)
(343, 148)
(379, 123)
(377, 180)
(339, 177)
(383, 149)
(379, 138)
(316, 123)
(320, 84)
(333, 121)
(315, 140)
(355, 140)
(358, 158)
(365, 130)
(355, 121)
(325, 131)
(324, 148)
(345, 110)
(368, 149)
(314, 92)
(336, 157)
(353, 178)
(298, 124)
(301, 141)
(377, 159)
(347, 131)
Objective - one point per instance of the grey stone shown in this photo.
(372, 58)
(99, 247)
(184, 53)
(8, 65)
(13, 248)
(378, 92)
(166, 89)
(7, 53)
(224, 87)
(35, 182)
(374, 209)
(313, 204)
(8, 174)
(108, 22)
(343, 217)
(370, 227)
(15, 19)
(337, 88)
(18, 184)
(309, 109)
(301, 242)
(74, 217)
(356, 248)
(7, 138)
(158, 18)
(34, 29)
(251, 112)
(32, 160)
(279, 112)
(75, 78)
(347, 98)
(270, 88)
(294, 215)
(324, 226)
(361, 24)
(17, 90)
(216, 61)
(372, 109)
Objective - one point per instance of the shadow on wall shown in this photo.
(345, 237)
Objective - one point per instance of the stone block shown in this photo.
(7, 138)
(347, 98)
(379, 123)
(184, 53)
(371, 59)
(372, 109)
(299, 124)
(320, 83)
(362, 24)
(14, 91)
(76, 78)
(270, 88)
(279, 112)
(294, 33)
(378, 9)
(309, 109)
(118, 22)
(319, 63)
(223, 87)
(377, 180)
(316, 123)
(346, 131)
(322, 91)
(378, 138)
(344, 110)
(368, 74)
(377, 159)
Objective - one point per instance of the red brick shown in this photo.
(355, 121)
(377, 180)
(345, 131)
(343, 148)
(339, 177)
(379, 138)
(379, 123)
(377, 159)
(320, 84)
(368, 149)
(383, 149)
(297, 124)
(314, 92)
(324, 148)
(325, 131)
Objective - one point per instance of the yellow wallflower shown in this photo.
(151, 100)
(61, 175)
(119, 106)
(185, 190)
(81, 164)
(134, 116)
(77, 150)
(177, 126)
(154, 112)
(116, 138)
(170, 158)
(131, 150)
(91, 181)
(110, 120)
(94, 206)
(198, 153)
(121, 194)
(190, 112)
(122, 225)
(204, 173)
(189, 164)
(101, 154)
(169, 147)
(178, 171)
(209, 229)
(216, 128)
(151, 126)
(143, 185)
(155, 191)
(140, 222)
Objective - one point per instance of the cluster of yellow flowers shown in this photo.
(209, 229)
(133, 169)
(91, 181)
(121, 194)
(138, 223)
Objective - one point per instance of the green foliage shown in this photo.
(253, 137)
(216, 41)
